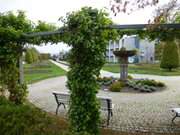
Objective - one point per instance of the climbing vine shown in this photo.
(11, 29)
(12, 42)
(88, 41)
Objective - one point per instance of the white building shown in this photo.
(145, 48)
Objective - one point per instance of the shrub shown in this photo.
(44, 56)
(25, 120)
(105, 80)
(160, 84)
(170, 57)
(130, 77)
(130, 83)
(35, 54)
(147, 82)
(19, 94)
(4, 101)
(150, 83)
(116, 86)
(29, 57)
(99, 79)
(32, 55)
(144, 85)
(152, 88)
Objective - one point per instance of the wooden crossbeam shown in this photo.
(46, 33)
(128, 26)
(144, 26)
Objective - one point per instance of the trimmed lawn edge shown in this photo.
(56, 71)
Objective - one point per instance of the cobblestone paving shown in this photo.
(133, 111)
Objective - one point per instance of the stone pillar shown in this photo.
(124, 69)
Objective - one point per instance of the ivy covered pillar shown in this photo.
(88, 40)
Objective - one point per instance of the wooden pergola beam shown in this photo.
(46, 33)
(144, 26)
(128, 26)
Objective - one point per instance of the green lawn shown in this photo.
(153, 69)
(41, 71)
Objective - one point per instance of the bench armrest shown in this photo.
(176, 110)
(57, 92)
(113, 105)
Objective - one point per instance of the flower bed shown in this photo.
(145, 85)
(137, 85)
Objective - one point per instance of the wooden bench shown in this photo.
(62, 98)
(177, 113)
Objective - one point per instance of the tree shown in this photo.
(158, 51)
(163, 13)
(177, 20)
(63, 55)
(166, 13)
(28, 56)
(128, 6)
(32, 55)
(35, 54)
(170, 57)
(44, 56)
(177, 17)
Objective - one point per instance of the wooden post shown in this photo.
(21, 70)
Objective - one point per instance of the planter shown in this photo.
(124, 53)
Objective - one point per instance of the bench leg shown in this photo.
(174, 118)
(57, 108)
(63, 105)
(111, 113)
(108, 117)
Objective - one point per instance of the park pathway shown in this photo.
(110, 74)
(40, 93)
(132, 110)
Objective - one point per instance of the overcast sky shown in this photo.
(51, 10)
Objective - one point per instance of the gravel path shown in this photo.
(133, 110)
(40, 93)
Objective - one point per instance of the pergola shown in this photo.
(175, 26)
